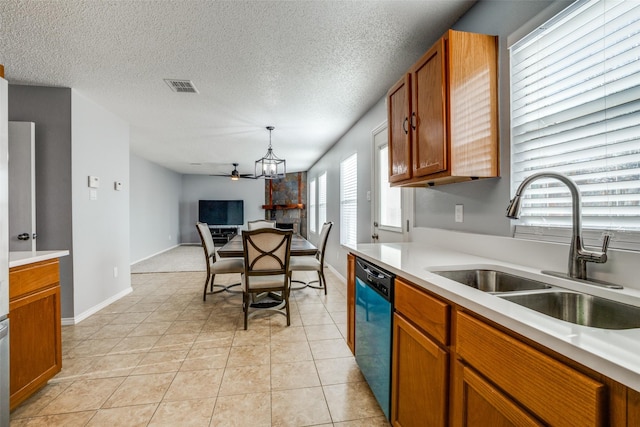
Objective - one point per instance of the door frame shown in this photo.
(408, 194)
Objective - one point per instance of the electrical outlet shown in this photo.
(459, 215)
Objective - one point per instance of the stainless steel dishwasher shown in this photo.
(374, 311)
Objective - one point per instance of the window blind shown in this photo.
(349, 200)
(575, 109)
(390, 198)
(322, 198)
(312, 205)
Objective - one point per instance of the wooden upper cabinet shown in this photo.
(428, 118)
(398, 110)
(453, 113)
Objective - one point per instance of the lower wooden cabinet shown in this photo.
(544, 387)
(351, 303)
(420, 377)
(35, 330)
(420, 360)
(452, 367)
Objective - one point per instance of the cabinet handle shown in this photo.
(404, 125)
(413, 122)
(23, 236)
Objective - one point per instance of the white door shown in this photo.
(392, 206)
(22, 187)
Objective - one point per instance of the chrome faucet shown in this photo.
(578, 255)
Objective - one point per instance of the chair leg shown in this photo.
(285, 295)
(213, 277)
(322, 280)
(245, 308)
(206, 282)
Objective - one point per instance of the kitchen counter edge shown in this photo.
(612, 353)
(18, 258)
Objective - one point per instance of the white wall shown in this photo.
(155, 208)
(100, 147)
(197, 187)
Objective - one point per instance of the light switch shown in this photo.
(94, 182)
(117, 185)
(459, 213)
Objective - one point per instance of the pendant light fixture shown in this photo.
(270, 166)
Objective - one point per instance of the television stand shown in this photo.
(221, 234)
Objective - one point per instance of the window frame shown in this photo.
(322, 198)
(313, 224)
(623, 236)
(349, 200)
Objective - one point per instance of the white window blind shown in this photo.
(312, 205)
(349, 200)
(575, 109)
(390, 198)
(322, 198)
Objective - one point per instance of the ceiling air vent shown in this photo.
(181, 86)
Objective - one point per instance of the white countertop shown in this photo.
(29, 257)
(614, 353)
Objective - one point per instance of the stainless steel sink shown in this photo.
(581, 309)
(492, 280)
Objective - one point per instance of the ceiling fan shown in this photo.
(235, 174)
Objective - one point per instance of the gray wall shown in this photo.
(155, 208)
(50, 109)
(358, 139)
(76, 138)
(100, 147)
(196, 187)
(484, 201)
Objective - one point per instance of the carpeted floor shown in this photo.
(181, 258)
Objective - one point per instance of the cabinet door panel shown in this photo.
(473, 113)
(483, 405)
(419, 378)
(556, 393)
(351, 303)
(35, 342)
(429, 118)
(398, 109)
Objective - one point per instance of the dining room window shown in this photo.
(322, 198)
(349, 200)
(312, 206)
(575, 109)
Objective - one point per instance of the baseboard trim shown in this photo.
(152, 255)
(68, 321)
(334, 271)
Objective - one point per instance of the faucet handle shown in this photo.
(606, 237)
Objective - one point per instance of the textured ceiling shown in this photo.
(309, 68)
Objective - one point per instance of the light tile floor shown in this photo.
(162, 356)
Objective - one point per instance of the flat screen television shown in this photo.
(221, 212)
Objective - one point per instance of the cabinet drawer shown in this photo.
(554, 392)
(429, 313)
(29, 278)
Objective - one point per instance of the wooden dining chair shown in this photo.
(266, 268)
(216, 265)
(313, 263)
(261, 223)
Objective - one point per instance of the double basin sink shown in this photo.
(574, 307)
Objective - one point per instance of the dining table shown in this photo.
(299, 247)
